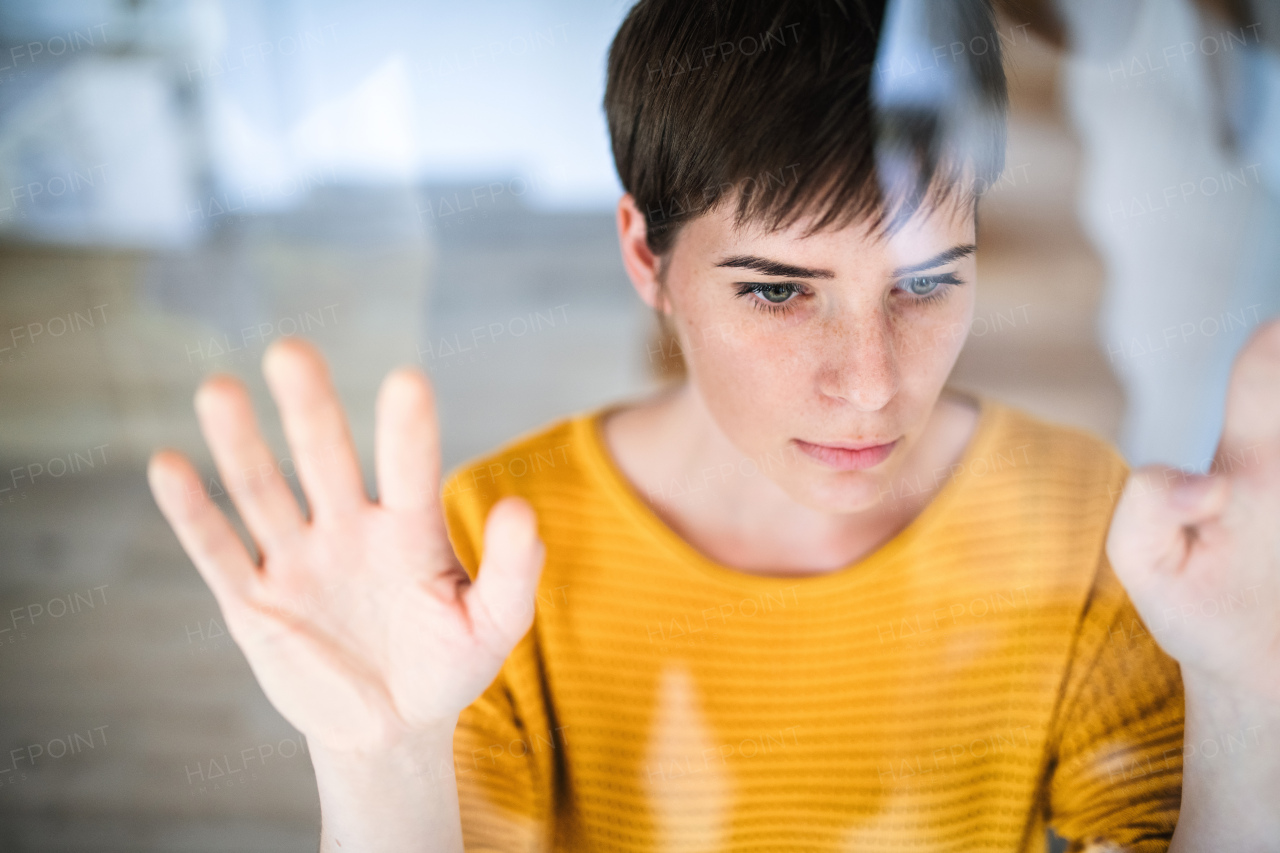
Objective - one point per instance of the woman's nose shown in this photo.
(859, 364)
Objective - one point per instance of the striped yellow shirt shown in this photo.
(980, 676)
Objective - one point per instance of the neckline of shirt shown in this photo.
(589, 426)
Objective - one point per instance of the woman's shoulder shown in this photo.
(1024, 471)
(552, 467)
(1069, 453)
(548, 453)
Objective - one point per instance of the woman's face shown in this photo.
(806, 349)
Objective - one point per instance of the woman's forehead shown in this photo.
(928, 229)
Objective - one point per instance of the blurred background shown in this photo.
(183, 182)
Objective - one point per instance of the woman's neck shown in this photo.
(692, 476)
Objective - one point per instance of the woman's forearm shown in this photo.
(1230, 773)
(404, 799)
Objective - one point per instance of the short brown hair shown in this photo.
(784, 106)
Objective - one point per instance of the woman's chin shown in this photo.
(838, 493)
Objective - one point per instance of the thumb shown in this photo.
(1252, 419)
(500, 602)
(1148, 529)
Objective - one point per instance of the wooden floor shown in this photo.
(128, 721)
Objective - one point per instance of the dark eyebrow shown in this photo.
(955, 253)
(768, 267)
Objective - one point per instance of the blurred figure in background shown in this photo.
(1177, 105)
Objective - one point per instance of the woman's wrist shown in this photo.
(400, 797)
(1221, 702)
(404, 750)
(1230, 764)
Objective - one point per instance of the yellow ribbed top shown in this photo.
(978, 676)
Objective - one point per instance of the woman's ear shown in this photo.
(642, 265)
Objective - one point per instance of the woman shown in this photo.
(806, 599)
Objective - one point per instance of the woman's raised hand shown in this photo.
(1200, 554)
(359, 623)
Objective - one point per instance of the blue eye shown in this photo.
(776, 293)
(923, 286)
(769, 295)
(928, 287)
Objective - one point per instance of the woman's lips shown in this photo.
(848, 458)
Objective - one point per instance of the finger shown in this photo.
(316, 427)
(1159, 503)
(201, 528)
(1251, 425)
(407, 442)
(500, 602)
(246, 465)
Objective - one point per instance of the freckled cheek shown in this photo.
(921, 353)
(926, 351)
(753, 358)
(756, 376)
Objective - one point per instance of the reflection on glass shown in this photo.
(765, 472)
